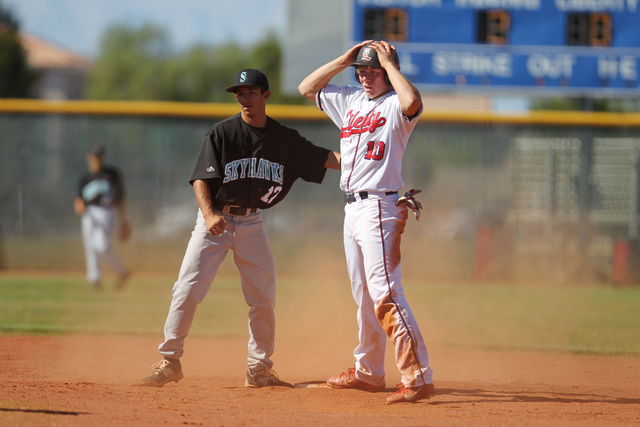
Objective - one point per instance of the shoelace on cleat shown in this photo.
(270, 373)
(351, 372)
(402, 388)
(159, 366)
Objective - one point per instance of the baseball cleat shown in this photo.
(348, 380)
(164, 371)
(412, 394)
(264, 378)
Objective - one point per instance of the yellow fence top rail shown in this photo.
(560, 118)
(152, 108)
(307, 112)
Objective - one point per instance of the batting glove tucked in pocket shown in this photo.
(410, 202)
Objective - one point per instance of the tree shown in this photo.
(131, 63)
(15, 75)
(202, 73)
(268, 59)
(138, 64)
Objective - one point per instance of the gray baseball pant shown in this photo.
(247, 237)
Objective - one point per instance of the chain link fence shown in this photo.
(504, 200)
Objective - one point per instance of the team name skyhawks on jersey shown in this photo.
(253, 168)
(357, 124)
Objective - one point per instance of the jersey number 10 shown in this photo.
(375, 150)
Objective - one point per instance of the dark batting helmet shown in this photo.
(368, 57)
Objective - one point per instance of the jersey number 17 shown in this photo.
(271, 194)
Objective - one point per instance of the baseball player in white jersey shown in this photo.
(375, 123)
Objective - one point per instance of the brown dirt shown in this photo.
(91, 380)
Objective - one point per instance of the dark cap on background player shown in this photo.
(97, 150)
(249, 77)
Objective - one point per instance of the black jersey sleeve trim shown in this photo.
(416, 114)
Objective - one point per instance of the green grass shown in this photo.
(37, 305)
(596, 320)
(590, 320)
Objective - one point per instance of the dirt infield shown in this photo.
(91, 380)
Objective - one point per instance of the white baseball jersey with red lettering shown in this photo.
(373, 137)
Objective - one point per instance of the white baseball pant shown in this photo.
(98, 225)
(372, 234)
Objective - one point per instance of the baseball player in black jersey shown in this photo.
(100, 203)
(247, 163)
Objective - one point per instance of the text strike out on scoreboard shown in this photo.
(582, 47)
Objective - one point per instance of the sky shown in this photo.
(78, 25)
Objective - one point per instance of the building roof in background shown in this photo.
(43, 54)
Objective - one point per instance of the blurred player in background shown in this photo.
(100, 203)
(375, 122)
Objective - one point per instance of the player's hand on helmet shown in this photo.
(216, 224)
(386, 53)
(411, 202)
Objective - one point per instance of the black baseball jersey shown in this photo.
(256, 167)
(102, 188)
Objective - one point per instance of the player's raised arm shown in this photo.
(323, 75)
(408, 95)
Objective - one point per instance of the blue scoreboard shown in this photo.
(582, 47)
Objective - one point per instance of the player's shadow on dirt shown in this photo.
(485, 396)
(43, 411)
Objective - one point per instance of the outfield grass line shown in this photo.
(66, 330)
(587, 351)
(27, 329)
(12, 329)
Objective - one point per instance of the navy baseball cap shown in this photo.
(97, 150)
(249, 77)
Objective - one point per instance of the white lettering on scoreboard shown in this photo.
(499, 4)
(612, 67)
(552, 66)
(469, 63)
(396, 3)
(538, 65)
(597, 5)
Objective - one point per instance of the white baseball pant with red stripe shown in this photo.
(372, 233)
